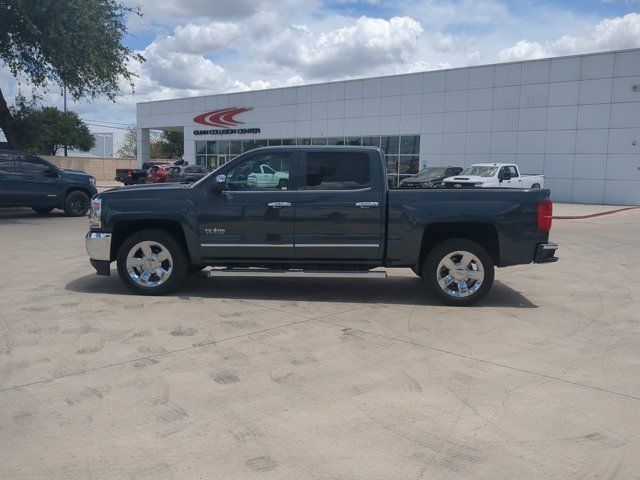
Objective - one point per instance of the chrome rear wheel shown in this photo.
(458, 271)
(460, 274)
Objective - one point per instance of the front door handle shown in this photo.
(279, 204)
(27, 176)
(367, 204)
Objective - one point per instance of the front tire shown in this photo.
(459, 272)
(283, 184)
(152, 262)
(76, 204)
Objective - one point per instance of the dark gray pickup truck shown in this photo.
(316, 211)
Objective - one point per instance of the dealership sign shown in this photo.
(224, 118)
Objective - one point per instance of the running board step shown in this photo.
(263, 272)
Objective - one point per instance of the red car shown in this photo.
(157, 173)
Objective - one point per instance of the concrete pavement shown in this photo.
(343, 379)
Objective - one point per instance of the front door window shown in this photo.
(262, 172)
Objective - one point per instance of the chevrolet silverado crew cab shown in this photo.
(30, 181)
(493, 175)
(334, 217)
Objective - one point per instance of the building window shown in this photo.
(402, 152)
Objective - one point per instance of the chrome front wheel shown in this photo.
(152, 262)
(149, 264)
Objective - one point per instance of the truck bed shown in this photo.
(511, 213)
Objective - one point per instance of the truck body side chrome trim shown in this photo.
(254, 245)
(337, 245)
(290, 245)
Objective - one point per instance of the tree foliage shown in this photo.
(129, 146)
(46, 130)
(168, 145)
(72, 43)
(173, 144)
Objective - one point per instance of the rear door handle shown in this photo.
(27, 176)
(279, 204)
(367, 204)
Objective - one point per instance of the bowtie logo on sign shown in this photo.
(224, 118)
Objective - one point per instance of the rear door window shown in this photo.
(33, 165)
(337, 171)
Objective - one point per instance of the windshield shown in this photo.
(433, 173)
(479, 171)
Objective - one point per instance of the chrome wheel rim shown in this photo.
(460, 274)
(149, 264)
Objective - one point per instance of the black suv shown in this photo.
(30, 181)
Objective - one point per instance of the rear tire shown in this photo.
(459, 272)
(76, 204)
(152, 262)
(42, 210)
(535, 185)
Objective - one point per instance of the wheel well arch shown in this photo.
(484, 234)
(77, 189)
(122, 230)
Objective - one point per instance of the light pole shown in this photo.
(64, 93)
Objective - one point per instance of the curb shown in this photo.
(592, 215)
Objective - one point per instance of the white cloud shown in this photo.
(202, 38)
(521, 51)
(349, 50)
(609, 34)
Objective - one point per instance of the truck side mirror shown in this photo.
(219, 185)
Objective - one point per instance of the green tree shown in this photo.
(162, 145)
(46, 130)
(73, 43)
(174, 144)
(129, 146)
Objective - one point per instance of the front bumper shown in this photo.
(98, 245)
(545, 253)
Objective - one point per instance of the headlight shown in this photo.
(92, 181)
(95, 213)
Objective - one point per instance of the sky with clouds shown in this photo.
(201, 47)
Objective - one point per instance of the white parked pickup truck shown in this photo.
(267, 177)
(493, 175)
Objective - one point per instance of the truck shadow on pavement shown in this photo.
(15, 215)
(398, 290)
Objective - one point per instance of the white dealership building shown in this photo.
(576, 119)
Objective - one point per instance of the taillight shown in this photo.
(545, 215)
(129, 173)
